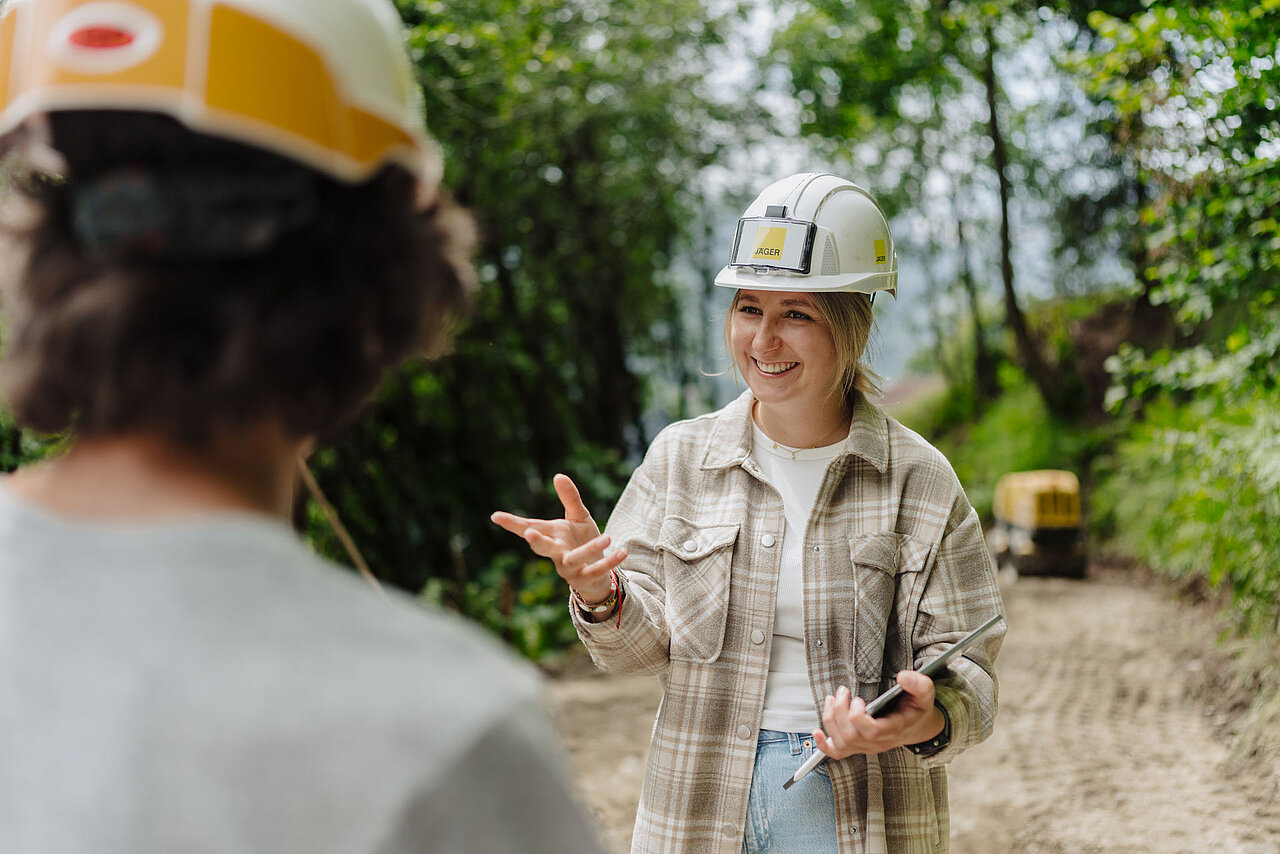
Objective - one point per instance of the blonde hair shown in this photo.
(849, 317)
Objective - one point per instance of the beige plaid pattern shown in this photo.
(899, 571)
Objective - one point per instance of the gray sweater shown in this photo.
(211, 685)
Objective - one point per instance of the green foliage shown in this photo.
(1195, 90)
(1194, 489)
(1015, 433)
(1246, 357)
(1054, 321)
(576, 133)
(1195, 485)
(521, 599)
(19, 447)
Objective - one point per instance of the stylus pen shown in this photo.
(881, 704)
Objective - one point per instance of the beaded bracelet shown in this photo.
(591, 610)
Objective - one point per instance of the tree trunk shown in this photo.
(1038, 370)
(939, 326)
(984, 366)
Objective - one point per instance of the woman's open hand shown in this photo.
(574, 544)
(850, 730)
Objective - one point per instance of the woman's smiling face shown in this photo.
(784, 349)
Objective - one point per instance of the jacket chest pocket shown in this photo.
(695, 566)
(884, 563)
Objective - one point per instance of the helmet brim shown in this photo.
(746, 278)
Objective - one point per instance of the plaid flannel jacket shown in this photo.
(898, 571)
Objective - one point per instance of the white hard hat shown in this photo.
(327, 83)
(812, 232)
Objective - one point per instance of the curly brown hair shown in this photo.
(103, 344)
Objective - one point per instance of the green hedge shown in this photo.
(1193, 489)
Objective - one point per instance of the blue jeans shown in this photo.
(799, 820)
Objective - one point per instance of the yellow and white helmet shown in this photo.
(813, 232)
(327, 83)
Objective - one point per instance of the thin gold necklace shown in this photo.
(778, 446)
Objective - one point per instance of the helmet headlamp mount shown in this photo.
(768, 243)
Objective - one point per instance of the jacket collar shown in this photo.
(730, 441)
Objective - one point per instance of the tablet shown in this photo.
(880, 704)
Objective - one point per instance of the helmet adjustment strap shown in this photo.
(184, 214)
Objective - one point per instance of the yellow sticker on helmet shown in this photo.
(769, 243)
(882, 250)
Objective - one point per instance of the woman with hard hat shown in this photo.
(224, 225)
(783, 561)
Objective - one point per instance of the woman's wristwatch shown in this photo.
(939, 741)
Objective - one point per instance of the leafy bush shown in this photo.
(530, 613)
(1015, 433)
(1194, 490)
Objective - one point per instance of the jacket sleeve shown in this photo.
(960, 593)
(639, 640)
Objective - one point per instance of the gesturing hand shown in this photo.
(574, 544)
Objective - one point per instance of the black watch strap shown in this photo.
(939, 741)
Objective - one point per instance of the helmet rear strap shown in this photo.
(185, 214)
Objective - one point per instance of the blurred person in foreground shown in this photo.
(224, 225)
(783, 561)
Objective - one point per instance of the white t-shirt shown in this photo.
(797, 475)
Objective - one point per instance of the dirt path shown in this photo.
(1101, 744)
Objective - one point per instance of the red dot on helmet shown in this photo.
(101, 38)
